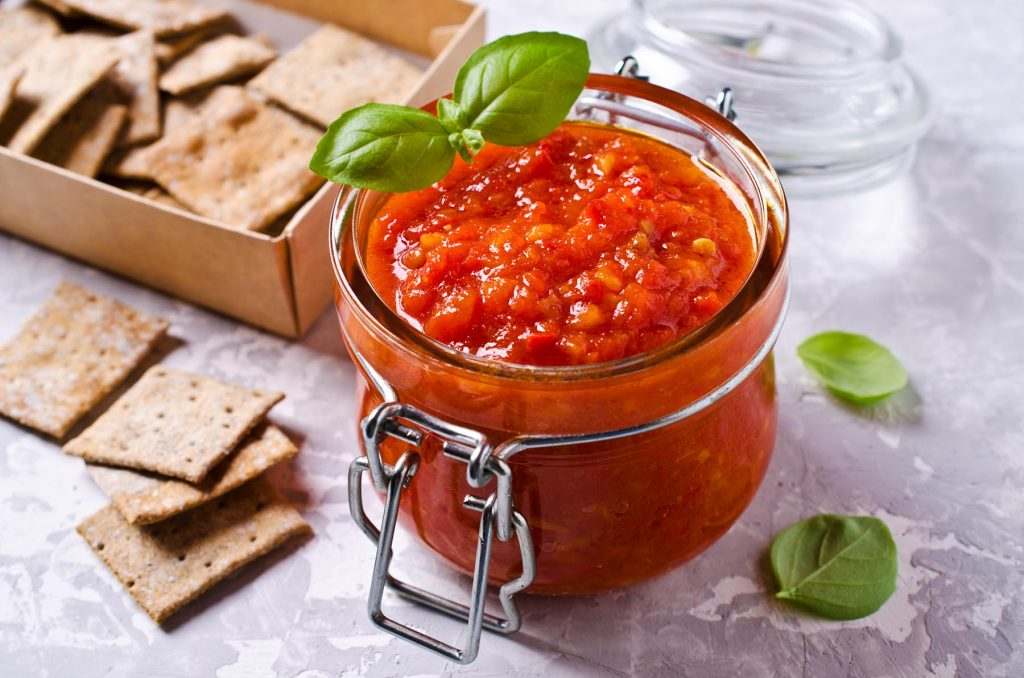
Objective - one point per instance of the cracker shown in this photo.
(21, 29)
(72, 353)
(164, 566)
(163, 17)
(175, 423)
(83, 138)
(170, 48)
(143, 498)
(58, 72)
(9, 78)
(244, 164)
(136, 76)
(218, 60)
(333, 70)
(134, 163)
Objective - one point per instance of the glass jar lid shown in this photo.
(820, 85)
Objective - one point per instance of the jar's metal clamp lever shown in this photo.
(393, 419)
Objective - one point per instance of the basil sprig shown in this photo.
(512, 92)
(852, 366)
(840, 567)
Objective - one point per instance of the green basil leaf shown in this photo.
(385, 148)
(518, 88)
(852, 366)
(840, 567)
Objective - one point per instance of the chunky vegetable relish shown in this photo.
(591, 245)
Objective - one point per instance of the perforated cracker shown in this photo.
(218, 60)
(67, 357)
(166, 565)
(243, 164)
(143, 498)
(333, 70)
(163, 17)
(175, 423)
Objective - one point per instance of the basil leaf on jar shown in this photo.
(384, 147)
(852, 366)
(517, 89)
(839, 567)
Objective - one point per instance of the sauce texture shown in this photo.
(591, 245)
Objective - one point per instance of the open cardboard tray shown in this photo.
(277, 282)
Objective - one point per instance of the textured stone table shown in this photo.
(932, 265)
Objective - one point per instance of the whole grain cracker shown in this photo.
(170, 48)
(68, 356)
(166, 565)
(244, 164)
(174, 423)
(333, 70)
(58, 72)
(143, 498)
(163, 17)
(218, 60)
(83, 138)
(9, 78)
(136, 76)
(134, 163)
(21, 29)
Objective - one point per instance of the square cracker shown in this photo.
(163, 17)
(218, 60)
(9, 78)
(85, 135)
(173, 422)
(134, 163)
(170, 48)
(21, 29)
(143, 498)
(67, 357)
(58, 72)
(333, 70)
(243, 164)
(164, 566)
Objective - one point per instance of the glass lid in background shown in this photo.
(820, 85)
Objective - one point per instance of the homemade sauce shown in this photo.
(591, 245)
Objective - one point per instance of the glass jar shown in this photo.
(577, 479)
(820, 85)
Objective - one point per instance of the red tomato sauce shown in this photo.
(591, 245)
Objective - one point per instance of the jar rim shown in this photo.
(754, 163)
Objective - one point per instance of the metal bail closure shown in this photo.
(408, 424)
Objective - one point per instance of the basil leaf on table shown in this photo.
(517, 89)
(854, 367)
(384, 147)
(840, 567)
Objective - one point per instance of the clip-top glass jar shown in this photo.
(576, 479)
(820, 85)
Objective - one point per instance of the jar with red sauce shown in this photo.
(606, 415)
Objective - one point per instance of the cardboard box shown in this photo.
(277, 282)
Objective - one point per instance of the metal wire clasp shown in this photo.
(410, 425)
